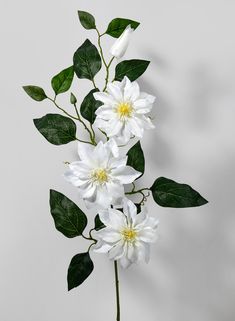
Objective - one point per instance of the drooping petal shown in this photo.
(136, 128)
(109, 235)
(147, 235)
(124, 262)
(74, 179)
(112, 145)
(117, 162)
(85, 152)
(125, 175)
(102, 247)
(129, 209)
(117, 251)
(116, 190)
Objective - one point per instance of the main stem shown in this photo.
(117, 290)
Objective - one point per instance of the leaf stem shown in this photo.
(117, 290)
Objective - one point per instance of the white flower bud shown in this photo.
(119, 48)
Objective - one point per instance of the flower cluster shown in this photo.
(103, 173)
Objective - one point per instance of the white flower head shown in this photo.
(124, 109)
(119, 47)
(100, 174)
(127, 235)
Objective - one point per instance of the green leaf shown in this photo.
(138, 206)
(136, 158)
(69, 219)
(168, 193)
(57, 129)
(86, 61)
(89, 106)
(73, 99)
(35, 92)
(86, 19)
(98, 223)
(133, 69)
(80, 268)
(118, 25)
(62, 81)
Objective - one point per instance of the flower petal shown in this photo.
(104, 98)
(125, 175)
(129, 209)
(115, 91)
(117, 251)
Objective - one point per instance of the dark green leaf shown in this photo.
(62, 81)
(138, 208)
(86, 61)
(57, 129)
(35, 92)
(69, 219)
(98, 223)
(133, 69)
(118, 25)
(80, 268)
(73, 99)
(168, 193)
(136, 158)
(89, 106)
(86, 19)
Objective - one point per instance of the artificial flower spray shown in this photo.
(113, 114)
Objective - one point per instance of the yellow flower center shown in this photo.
(129, 234)
(100, 175)
(124, 109)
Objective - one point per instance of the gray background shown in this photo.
(191, 275)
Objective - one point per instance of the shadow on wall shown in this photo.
(194, 273)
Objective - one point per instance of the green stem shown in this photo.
(117, 290)
(83, 141)
(64, 111)
(91, 133)
(102, 57)
(138, 191)
(93, 81)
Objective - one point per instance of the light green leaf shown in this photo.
(35, 92)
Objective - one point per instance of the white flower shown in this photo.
(122, 114)
(100, 174)
(119, 47)
(127, 234)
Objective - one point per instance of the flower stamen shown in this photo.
(129, 234)
(124, 109)
(100, 176)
